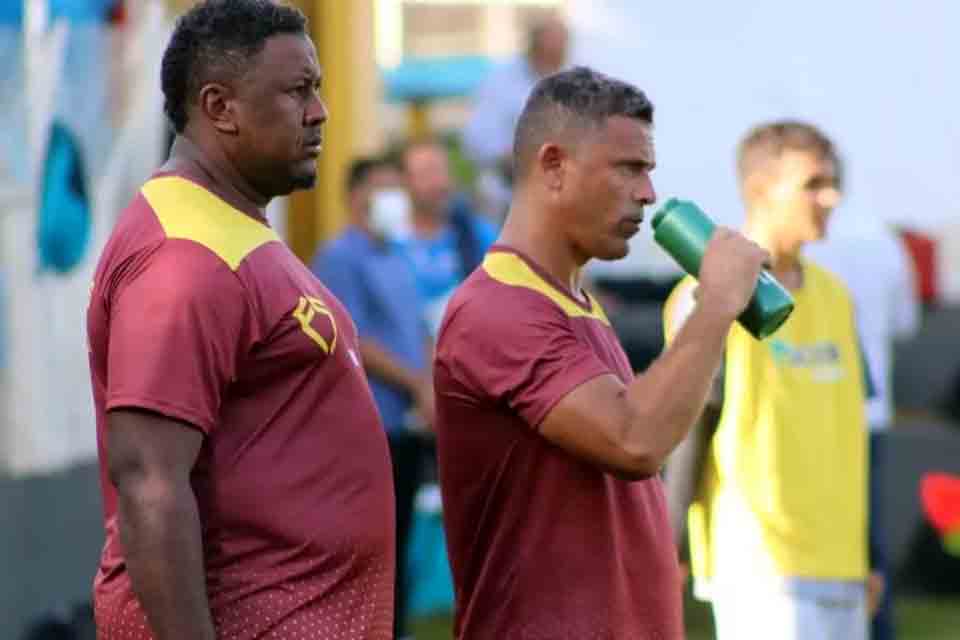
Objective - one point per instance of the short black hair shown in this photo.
(214, 41)
(579, 97)
(766, 143)
(361, 168)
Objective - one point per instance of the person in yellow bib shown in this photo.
(772, 484)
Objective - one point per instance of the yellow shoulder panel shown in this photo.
(511, 270)
(188, 211)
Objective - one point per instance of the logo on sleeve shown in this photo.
(313, 314)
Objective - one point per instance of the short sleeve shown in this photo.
(527, 360)
(177, 330)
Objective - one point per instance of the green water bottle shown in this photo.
(683, 230)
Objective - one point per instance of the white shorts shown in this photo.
(786, 614)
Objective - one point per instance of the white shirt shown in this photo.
(488, 134)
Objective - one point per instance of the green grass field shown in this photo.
(917, 619)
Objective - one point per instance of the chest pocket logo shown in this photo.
(306, 312)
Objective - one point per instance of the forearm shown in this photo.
(669, 397)
(380, 364)
(161, 536)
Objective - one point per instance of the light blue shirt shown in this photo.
(437, 265)
(374, 282)
(489, 133)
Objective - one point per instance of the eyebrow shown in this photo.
(309, 73)
(646, 164)
(822, 178)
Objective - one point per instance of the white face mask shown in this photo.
(390, 214)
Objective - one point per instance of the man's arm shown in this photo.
(631, 429)
(380, 364)
(419, 384)
(149, 461)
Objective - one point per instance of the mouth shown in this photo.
(630, 225)
(313, 146)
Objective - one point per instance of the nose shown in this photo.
(316, 112)
(828, 198)
(644, 193)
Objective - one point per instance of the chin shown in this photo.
(303, 182)
(612, 252)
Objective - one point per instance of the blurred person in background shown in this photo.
(365, 269)
(873, 262)
(445, 238)
(773, 479)
(245, 473)
(488, 135)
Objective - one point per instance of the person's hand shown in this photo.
(423, 401)
(729, 271)
(876, 585)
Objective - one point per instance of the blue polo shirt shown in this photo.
(437, 266)
(376, 284)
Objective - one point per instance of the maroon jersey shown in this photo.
(199, 312)
(542, 544)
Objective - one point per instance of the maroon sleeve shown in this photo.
(527, 355)
(176, 332)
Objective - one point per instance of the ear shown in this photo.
(216, 103)
(756, 187)
(552, 161)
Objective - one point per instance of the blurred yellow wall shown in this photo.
(343, 32)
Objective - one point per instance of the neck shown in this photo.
(540, 68)
(361, 220)
(426, 223)
(524, 232)
(223, 177)
(784, 253)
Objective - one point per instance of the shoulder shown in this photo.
(180, 270)
(504, 300)
(831, 292)
(186, 211)
(345, 247)
(484, 298)
(140, 251)
(825, 279)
